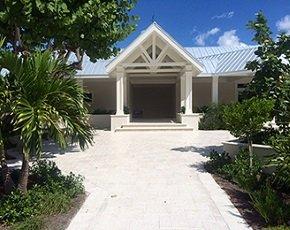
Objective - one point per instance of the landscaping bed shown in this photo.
(51, 201)
(262, 199)
(242, 201)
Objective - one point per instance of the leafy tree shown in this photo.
(48, 100)
(80, 26)
(281, 160)
(247, 118)
(272, 69)
(5, 128)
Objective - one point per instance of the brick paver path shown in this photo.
(151, 180)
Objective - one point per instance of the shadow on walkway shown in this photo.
(204, 151)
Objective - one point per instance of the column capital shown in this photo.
(188, 68)
(120, 69)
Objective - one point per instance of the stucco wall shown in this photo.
(103, 93)
(201, 93)
(226, 92)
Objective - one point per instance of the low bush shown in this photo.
(51, 192)
(212, 118)
(270, 206)
(248, 178)
(217, 162)
(237, 170)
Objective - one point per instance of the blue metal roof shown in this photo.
(215, 60)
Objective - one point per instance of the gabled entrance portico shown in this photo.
(154, 58)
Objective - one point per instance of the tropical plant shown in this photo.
(247, 118)
(212, 118)
(89, 26)
(49, 100)
(272, 70)
(267, 202)
(51, 193)
(281, 161)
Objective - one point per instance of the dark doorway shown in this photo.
(153, 101)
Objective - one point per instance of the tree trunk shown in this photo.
(251, 152)
(8, 183)
(23, 180)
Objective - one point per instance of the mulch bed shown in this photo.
(242, 202)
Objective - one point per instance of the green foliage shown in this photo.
(33, 223)
(248, 117)
(217, 162)
(270, 206)
(126, 110)
(52, 194)
(102, 111)
(237, 169)
(281, 160)
(272, 69)
(212, 118)
(46, 173)
(248, 178)
(45, 101)
(182, 109)
(91, 26)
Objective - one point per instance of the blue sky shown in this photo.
(209, 22)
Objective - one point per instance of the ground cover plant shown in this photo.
(50, 192)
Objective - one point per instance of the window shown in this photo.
(88, 97)
(241, 87)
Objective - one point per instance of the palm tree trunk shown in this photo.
(251, 151)
(8, 183)
(22, 185)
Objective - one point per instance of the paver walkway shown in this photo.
(150, 180)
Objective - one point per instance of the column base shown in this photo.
(118, 120)
(191, 120)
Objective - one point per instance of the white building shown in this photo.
(155, 77)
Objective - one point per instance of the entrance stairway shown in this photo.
(152, 126)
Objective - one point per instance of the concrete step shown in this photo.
(148, 125)
(135, 129)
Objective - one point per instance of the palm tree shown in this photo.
(49, 100)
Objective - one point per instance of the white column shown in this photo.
(188, 90)
(125, 91)
(215, 89)
(120, 91)
(182, 89)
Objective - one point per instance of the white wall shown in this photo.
(103, 93)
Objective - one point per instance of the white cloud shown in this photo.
(224, 15)
(229, 38)
(201, 38)
(284, 24)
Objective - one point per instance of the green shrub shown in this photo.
(51, 194)
(248, 178)
(247, 118)
(237, 170)
(46, 173)
(217, 162)
(270, 206)
(212, 118)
